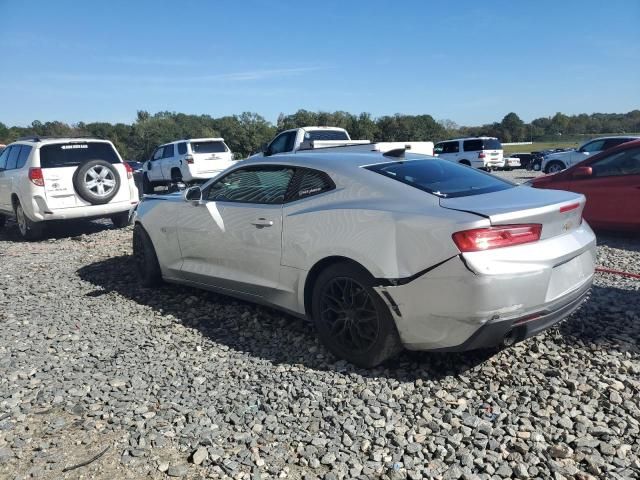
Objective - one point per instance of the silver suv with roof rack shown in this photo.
(44, 179)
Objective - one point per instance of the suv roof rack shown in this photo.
(39, 138)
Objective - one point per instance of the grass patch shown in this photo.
(537, 146)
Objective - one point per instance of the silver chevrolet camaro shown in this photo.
(380, 252)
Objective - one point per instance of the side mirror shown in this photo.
(582, 172)
(193, 194)
(266, 151)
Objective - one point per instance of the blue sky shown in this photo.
(468, 61)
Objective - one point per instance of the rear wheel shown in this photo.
(147, 186)
(145, 258)
(465, 162)
(120, 220)
(29, 230)
(176, 175)
(555, 167)
(351, 319)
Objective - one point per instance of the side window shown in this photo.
(283, 143)
(472, 145)
(24, 154)
(12, 160)
(3, 158)
(451, 147)
(168, 151)
(264, 184)
(595, 146)
(182, 148)
(626, 162)
(438, 148)
(157, 155)
(311, 182)
(614, 142)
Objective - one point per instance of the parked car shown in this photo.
(526, 159)
(137, 167)
(189, 161)
(611, 183)
(321, 139)
(379, 251)
(478, 152)
(510, 162)
(46, 179)
(558, 161)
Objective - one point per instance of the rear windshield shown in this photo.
(72, 154)
(481, 144)
(442, 178)
(208, 147)
(325, 135)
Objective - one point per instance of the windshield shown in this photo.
(478, 144)
(326, 135)
(442, 178)
(74, 153)
(208, 147)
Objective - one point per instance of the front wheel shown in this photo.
(351, 319)
(29, 230)
(554, 167)
(145, 258)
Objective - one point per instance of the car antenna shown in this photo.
(395, 153)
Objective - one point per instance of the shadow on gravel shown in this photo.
(261, 331)
(624, 240)
(58, 230)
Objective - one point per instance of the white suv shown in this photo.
(189, 161)
(43, 179)
(556, 162)
(478, 152)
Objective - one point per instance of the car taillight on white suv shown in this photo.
(129, 170)
(36, 177)
(481, 155)
(188, 159)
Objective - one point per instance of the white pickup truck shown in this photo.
(323, 138)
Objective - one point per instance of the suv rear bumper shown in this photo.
(42, 213)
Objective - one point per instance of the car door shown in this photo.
(153, 166)
(613, 190)
(169, 161)
(232, 238)
(588, 149)
(5, 181)
(283, 143)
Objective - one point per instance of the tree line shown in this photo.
(248, 132)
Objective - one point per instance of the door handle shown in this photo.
(262, 222)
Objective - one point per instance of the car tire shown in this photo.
(3, 220)
(121, 220)
(147, 185)
(554, 167)
(176, 175)
(29, 230)
(96, 181)
(343, 296)
(145, 258)
(465, 162)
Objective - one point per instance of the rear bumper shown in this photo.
(473, 302)
(42, 213)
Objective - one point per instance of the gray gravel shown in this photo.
(189, 384)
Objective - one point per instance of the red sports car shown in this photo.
(611, 183)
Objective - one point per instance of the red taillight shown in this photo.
(36, 177)
(129, 170)
(188, 159)
(481, 155)
(480, 239)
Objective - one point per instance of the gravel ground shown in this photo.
(184, 383)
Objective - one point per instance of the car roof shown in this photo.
(468, 138)
(611, 137)
(208, 139)
(51, 140)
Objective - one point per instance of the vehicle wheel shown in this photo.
(145, 258)
(465, 162)
(3, 220)
(351, 319)
(555, 167)
(536, 167)
(97, 181)
(121, 220)
(29, 230)
(176, 176)
(147, 186)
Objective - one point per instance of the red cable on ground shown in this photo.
(617, 272)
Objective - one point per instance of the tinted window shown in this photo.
(442, 178)
(24, 154)
(614, 142)
(621, 163)
(3, 158)
(311, 182)
(595, 146)
(478, 144)
(182, 148)
(12, 160)
(451, 147)
(168, 151)
(283, 143)
(158, 153)
(208, 147)
(73, 154)
(266, 185)
(311, 135)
